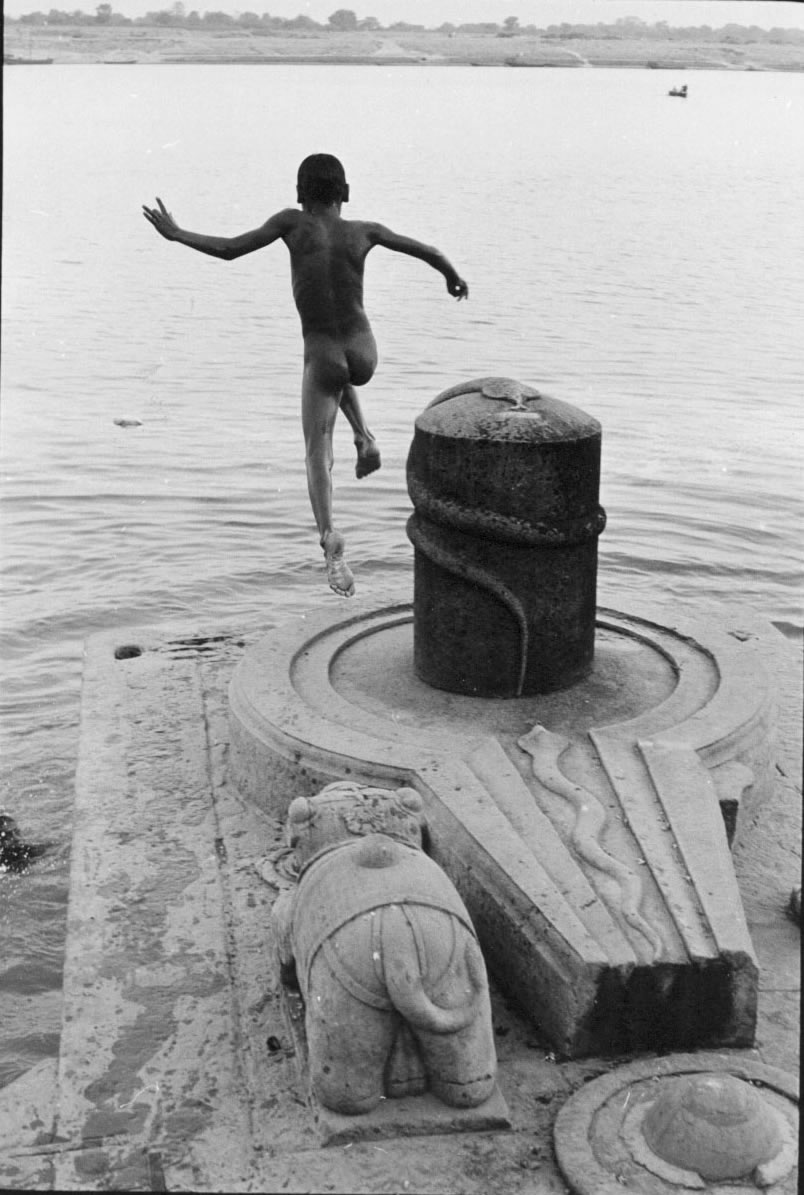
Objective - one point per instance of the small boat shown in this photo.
(681, 92)
(15, 60)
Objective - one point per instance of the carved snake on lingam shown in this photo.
(451, 562)
(545, 749)
(486, 523)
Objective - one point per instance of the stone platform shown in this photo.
(587, 830)
(176, 1070)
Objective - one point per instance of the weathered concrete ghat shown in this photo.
(176, 1069)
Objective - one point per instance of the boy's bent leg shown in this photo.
(319, 411)
(361, 358)
(368, 454)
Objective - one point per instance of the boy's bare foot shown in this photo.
(339, 574)
(368, 457)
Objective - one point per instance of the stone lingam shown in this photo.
(505, 488)
(581, 770)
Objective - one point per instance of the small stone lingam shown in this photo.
(713, 1127)
(720, 1123)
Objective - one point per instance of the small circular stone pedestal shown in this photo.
(505, 485)
(685, 1122)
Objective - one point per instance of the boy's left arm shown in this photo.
(379, 235)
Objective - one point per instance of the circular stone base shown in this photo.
(629, 676)
(339, 682)
(600, 1147)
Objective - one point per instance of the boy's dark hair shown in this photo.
(321, 177)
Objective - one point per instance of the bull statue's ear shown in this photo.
(300, 814)
(299, 811)
(410, 799)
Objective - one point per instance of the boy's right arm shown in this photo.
(225, 248)
(379, 235)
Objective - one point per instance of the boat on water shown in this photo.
(681, 92)
(16, 60)
(536, 62)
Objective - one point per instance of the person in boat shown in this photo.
(327, 257)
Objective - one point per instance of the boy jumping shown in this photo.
(327, 256)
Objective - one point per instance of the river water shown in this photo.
(636, 255)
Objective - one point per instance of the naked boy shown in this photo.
(327, 256)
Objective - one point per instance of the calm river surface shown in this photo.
(636, 255)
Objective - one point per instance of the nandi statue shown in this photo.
(383, 950)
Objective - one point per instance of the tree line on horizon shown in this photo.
(344, 20)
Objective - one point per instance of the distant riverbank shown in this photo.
(110, 44)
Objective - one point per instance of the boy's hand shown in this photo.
(457, 287)
(162, 220)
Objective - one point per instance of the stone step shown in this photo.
(177, 1070)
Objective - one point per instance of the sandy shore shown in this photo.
(138, 44)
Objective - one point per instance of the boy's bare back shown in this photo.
(328, 254)
(327, 257)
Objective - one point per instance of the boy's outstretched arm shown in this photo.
(225, 248)
(379, 235)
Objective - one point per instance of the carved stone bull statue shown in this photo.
(383, 950)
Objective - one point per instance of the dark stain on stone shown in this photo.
(104, 1123)
(127, 651)
(91, 1162)
(156, 1173)
(186, 1122)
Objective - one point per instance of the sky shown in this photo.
(765, 13)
